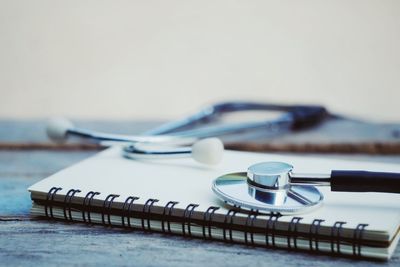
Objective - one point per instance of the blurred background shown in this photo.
(162, 59)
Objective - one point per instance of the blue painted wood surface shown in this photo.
(29, 241)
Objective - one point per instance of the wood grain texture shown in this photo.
(27, 241)
(20, 169)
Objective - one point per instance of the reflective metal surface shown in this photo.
(293, 117)
(212, 113)
(319, 179)
(235, 189)
(270, 175)
(140, 151)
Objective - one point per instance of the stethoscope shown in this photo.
(272, 187)
(266, 187)
(179, 139)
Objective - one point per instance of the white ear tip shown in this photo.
(208, 151)
(57, 129)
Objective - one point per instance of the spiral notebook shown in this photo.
(174, 196)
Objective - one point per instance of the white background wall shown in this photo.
(161, 59)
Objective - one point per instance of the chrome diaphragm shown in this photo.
(266, 188)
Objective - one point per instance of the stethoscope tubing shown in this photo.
(296, 116)
(175, 133)
(280, 124)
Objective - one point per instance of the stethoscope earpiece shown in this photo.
(206, 151)
(57, 129)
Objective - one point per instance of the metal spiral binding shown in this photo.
(229, 221)
(273, 218)
(127, 213)
(228, 224)
(314, 231)
(146, 210)
(49, 201)
(208, 215)
(169, 206)
(249, 225)
(107, 206)
(357, 237)
(67, 201)
(292, 232)
(187, 216)
(335, 236)
(87, 202)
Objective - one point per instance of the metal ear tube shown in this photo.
(180, 140)
(273, 187)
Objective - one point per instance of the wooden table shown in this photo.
(27, 241)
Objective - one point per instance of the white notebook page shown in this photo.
(188, 182)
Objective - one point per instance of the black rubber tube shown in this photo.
(365, 181)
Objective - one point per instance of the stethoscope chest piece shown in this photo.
(265, 188)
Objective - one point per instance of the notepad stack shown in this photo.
(175, 197)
